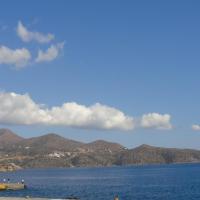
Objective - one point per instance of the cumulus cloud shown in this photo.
(17, 57)
(156, 120)
(50, 54)
(196, 127)
(22, 110)
(28, 36)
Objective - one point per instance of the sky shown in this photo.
(122, 71)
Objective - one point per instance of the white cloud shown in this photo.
(156, 120)
(28, 36)
(17, 57)
(22, 110)
(196, 127)
(50, 54)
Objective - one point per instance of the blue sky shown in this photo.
(139, 57)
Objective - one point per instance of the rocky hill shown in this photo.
(45, 144)
(52, 150)
(146, 154)
(7, 137)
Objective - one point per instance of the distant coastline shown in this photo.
(54, 151)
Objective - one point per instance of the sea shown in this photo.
(150, 182)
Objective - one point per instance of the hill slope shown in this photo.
(7, 137)
(52, 150)
(146, 154)
(47, 143)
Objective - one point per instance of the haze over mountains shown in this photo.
(52, 150)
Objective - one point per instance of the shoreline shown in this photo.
(96, 167)
(100, 167)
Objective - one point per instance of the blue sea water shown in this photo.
(153, 182)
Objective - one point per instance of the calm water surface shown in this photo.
(156, 182)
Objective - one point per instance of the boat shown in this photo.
(12, 186)
(2, 187)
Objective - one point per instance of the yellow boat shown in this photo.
(3, 186)
(12, 186)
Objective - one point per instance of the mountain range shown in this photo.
(52, 150)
